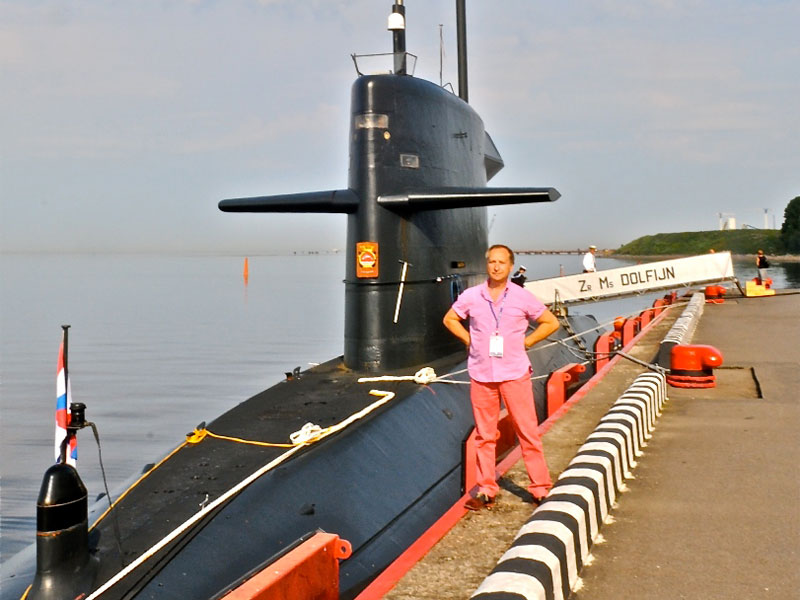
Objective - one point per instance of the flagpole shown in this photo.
(65, 441)
(66, 361)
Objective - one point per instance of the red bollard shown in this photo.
(714, 294)
(692, 366)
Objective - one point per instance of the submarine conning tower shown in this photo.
(416, 201)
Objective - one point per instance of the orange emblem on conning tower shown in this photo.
(367, 259)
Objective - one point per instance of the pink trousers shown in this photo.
(517, 395)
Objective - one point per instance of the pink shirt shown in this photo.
(514, 308)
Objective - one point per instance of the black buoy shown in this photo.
(64, 567)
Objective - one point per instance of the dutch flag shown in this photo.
(63, 400)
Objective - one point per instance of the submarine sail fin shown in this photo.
(466, 197)
(329, 201)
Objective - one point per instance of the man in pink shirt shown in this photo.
(499, 315)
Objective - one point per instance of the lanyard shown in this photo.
(500, 314)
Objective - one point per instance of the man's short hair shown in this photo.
(506, 248)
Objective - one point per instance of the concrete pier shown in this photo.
(714, 509)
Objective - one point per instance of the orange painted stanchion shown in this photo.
(604, 346)
(557, 385)
(646, 317)
(629, 330)
(692, 366)
(309, 571)
(658, 306)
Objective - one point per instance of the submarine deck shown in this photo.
(195, 474)
(712, 512)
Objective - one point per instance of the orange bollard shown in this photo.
(714, 294)
(692, 366)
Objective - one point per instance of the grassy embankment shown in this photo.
(737, 241)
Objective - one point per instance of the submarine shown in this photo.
(376, 462)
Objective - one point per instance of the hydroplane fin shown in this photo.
(329, 201)
(466, 197)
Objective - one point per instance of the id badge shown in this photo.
(496, 346)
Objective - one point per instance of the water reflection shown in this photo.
(791, 273)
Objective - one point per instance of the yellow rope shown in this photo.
(198, 435)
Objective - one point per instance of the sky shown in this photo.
(122, 124)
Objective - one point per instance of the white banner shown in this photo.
(633, 279)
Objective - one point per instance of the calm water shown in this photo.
(161, 343)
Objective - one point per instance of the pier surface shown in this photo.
(714, 509)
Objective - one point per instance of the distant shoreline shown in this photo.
(782, 258)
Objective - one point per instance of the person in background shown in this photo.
(519, 276)
(499, 314)
(762, 264)
(588, 260)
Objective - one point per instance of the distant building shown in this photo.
(727, 221)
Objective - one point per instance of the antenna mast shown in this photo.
(461, 25)
(441, 53)
(397, 25)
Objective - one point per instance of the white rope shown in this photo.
(424, 376)
(306, 432)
